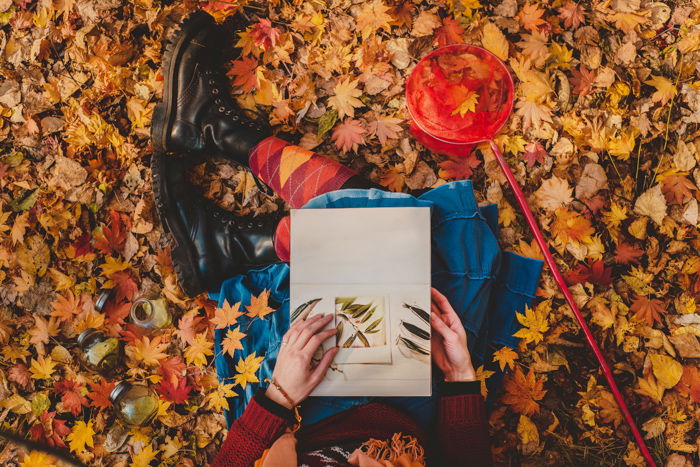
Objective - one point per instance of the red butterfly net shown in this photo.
(457, 96)
(461, 95)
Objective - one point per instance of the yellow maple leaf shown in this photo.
(667, 370)
(113, 265)
(562, 55)
(81, 436)
(482, 375)
(246, 369)
(494, 41)
(470, 5)
(505, 356)
(259, 305)
(345, 98)
(649, 387)
(218, 400)
(536, 322)
(196, 354)
(614, 217)
(226, 316)
(147, 350)
(522, 392)
(622, 146)
(373, 17)
(232, 341)
(37, 459)
(42, 367)
(144, 457)
(506, 214)
(665, 89)
(467, 105)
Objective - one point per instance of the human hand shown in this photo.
(293, 370)
(449, 341)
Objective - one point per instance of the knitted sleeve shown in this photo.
(462, 426)
(261, 424)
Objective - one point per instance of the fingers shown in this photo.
(311, 328)
(320, 370)
(295, 329)
(440, 326)
(318, 339)
(449, 315)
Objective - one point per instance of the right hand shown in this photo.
(293, 370)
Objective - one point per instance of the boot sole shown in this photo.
(163, 113)
(183, 251)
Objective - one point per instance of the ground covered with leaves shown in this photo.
(604, 140)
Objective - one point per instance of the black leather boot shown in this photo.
(210, 243)
(198, 116)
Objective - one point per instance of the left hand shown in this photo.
(449, 341)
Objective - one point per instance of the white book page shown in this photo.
(370, 269)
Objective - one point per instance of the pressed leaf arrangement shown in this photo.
(359, 321)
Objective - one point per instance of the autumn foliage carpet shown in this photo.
(604, 140)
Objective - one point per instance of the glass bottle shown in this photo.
(100, 352)
(151, 313)
(135, 404)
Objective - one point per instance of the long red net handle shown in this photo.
(549, 259)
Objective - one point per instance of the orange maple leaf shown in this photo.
(582, 80)
(677, 188)
(232, 341)
(689, 384)
(523, 391)
(648, 310)
(531, 17)
(626, 253)
(188, 326)
(171, 368)
(449, 33)
(258, 305)
(572, 14)
(42, 331)
(392, 178)
(459, 168)
(226, 316)
(65, 307)
(570, 226)
(348, 135)
(245, 71)
(99, 393)
(113, 237)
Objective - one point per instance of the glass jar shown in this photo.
(151, 313)
(102, 299)
(100, 352)
(135, 404)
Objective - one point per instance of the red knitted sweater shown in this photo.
(462, 432)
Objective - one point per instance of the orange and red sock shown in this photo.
(296, 175)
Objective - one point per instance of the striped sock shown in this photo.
(294, 173)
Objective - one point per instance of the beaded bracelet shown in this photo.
(295, 407)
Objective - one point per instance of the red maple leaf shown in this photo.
(125, 286)
(583, 80)
(595, 273)
(49, 430)
(115, 314)
(111, 237)
(245, 72)
(459, 168)
(171, 368)
(534, 152)
(71, 396)
(131, 333)
(264, 34)
(174, 393)
(99, 393)
(449, 33)
(594, 204)
(677, 188)
(626, 253)
(82, 245)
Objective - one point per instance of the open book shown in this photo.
(370, 268)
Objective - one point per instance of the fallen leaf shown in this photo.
(348, 135)
(522, 392)
(259, 307)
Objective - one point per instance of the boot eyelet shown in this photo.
(217, 101)
(215, 91)
(234, 118)
(221, 109)
(228, 112)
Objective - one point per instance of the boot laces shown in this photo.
(225, 105)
